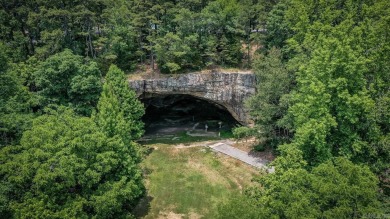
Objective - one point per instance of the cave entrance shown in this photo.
(172, 114)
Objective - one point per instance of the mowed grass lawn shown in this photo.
(190, 182)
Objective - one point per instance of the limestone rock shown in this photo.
(227, 89)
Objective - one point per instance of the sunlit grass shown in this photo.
(192, 181)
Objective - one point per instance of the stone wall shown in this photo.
(226, 89)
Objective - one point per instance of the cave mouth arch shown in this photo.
(174, 113)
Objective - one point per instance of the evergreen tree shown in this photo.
(119, 112)
(220, 23)
(278, 29)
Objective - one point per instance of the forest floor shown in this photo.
(188, 180)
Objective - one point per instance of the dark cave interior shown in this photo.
(183, 112)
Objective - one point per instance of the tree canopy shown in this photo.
(325, 91)
(65, 79)
(69, 121)
(65, 166)
(177, 35)
(334, 189)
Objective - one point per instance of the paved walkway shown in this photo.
(243, 156)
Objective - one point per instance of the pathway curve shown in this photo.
(226, 148)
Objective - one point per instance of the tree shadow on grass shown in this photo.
(143, 207)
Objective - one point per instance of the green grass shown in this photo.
(191, 180)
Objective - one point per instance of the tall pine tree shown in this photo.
(118, 111)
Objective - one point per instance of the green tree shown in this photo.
(66, 79)
(174, 53)
(334, 189)
(268, 106)
(278, 29)
(337, 103)
(376, 41)
(119, 42)
(15, 29)
(73, 25)
(66, 167)
(119, 111)
(219, 20)
(345, 189)
(15, 102)
(44, 28)
(253, 16)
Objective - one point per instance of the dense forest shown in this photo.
(69, 123)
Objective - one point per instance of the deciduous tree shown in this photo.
(66, 167)
(335, 189)
(66, 79)
(269, 105)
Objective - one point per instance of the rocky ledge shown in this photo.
(226, 89)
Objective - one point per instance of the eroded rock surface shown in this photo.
(227, 89)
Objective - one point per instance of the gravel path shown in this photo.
(243, 156)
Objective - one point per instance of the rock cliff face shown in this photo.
(227, 89)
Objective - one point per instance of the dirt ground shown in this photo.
(248, 145)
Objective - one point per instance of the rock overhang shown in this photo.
(229, 90)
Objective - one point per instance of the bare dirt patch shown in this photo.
(248, 145)
(170, 215)
(194, 215)
(173, 215)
